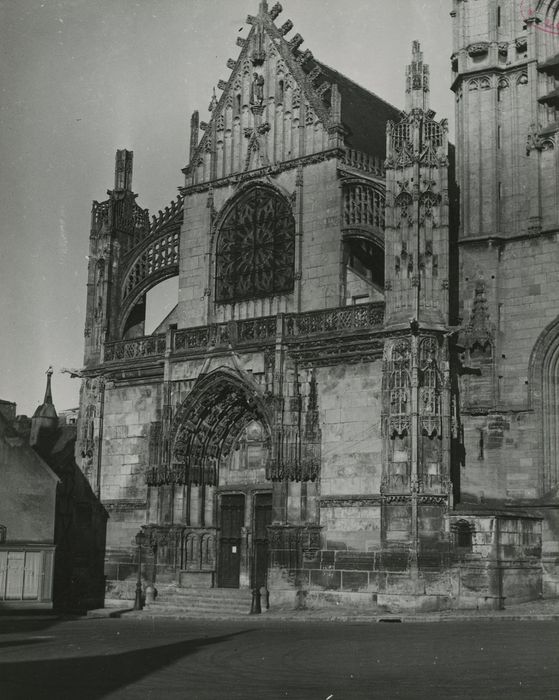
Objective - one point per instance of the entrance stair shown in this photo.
(201, 602)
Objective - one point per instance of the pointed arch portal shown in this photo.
(211, 419)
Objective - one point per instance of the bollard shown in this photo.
(150, 594)
(255, 608)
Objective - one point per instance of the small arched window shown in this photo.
(463, 534)
(255, 253)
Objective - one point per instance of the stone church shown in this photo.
(354, 398)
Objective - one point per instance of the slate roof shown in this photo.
(551, 66)
(364, 114)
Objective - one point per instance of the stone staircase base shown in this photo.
(202, 602)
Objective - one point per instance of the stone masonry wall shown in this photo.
(129, 411)
(350, 403)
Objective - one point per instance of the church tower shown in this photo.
(505, 69)
(416, 488)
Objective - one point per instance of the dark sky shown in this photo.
(81, 78)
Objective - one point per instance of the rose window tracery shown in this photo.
(256, 248)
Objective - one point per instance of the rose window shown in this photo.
(256, 248)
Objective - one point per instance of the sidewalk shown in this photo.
(541, 610)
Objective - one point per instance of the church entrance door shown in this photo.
(232, 521)
(262, 518)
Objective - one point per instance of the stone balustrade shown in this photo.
(363, 161)
(249, 332)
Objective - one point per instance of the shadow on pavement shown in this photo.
(22, 642)
(26, 621)
(93, 677)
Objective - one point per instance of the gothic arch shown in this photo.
(153, 263)
(254, 247)
(364, 251)
(209, 421)
(543, 397)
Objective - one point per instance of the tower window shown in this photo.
(498, 16)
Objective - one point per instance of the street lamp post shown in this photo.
(138, 602)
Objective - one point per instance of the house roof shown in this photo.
(11, 437)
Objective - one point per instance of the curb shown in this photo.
(361, 619)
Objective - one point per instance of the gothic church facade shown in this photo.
(354, 395)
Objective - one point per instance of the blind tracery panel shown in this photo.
(256, 248)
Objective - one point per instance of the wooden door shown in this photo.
(232, 521)
(262, 518)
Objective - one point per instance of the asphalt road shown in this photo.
(87, 659)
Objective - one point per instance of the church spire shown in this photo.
(45, 420)
(48, 390)
(417, 81)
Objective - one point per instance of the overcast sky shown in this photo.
(81, 78)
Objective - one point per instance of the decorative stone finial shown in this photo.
(48, 390)
(275, 11)
(123, 170)
(213, 102)
(417, 81)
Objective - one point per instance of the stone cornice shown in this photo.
(351, 500)
(268, 171)
(488, 70)
(502, 240)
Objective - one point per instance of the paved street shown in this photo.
(87, 659)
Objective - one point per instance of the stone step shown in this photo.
(187, 600)
(199, 609)
(202, 601)
(205, 594)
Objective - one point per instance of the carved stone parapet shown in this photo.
(150, 346)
